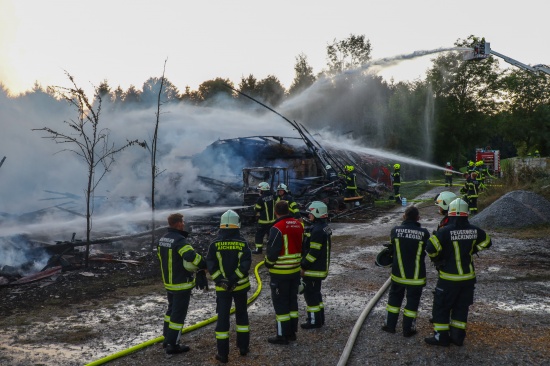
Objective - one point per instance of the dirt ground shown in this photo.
(83, 316)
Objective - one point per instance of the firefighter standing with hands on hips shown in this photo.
(178, 262)
(451, 249)
(315, 263)
(282, 258)
(408, 276)
(265, 210)
(228, 261)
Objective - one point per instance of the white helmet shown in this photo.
(448, 163)
(190, 266)
(444, 198)
(283, 187)
(318, 209)
(230, 220)
(264, 186)
(458, 207)
(328, 167)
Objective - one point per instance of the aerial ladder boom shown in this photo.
(483, 50)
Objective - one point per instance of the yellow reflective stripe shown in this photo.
(179, 286)
(458, 324)
(282, 317)
(284, 271)
(419, 252)
(313, 309)
(294, 314)
(316, 245)
(216, 274)
(310, 258)
(435, 242)
(458, 260)
(392, 309)
(220, 262)
(184, 249)
(456, 277)
(409, 313)
(399, 259)
(441, 327)
(175, 326)
(266, 221)
(242, 328)
(320, 274)
(484, 243)
(406, 281)
(222, 335)
(169, 266)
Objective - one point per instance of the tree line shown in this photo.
(459, 106)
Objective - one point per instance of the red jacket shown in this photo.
(284, 247)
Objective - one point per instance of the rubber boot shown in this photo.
(243, 342)
(223, 350)
(457, 336)
(409, 326)
(391, 322)
(439, 339)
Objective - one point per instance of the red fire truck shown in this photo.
(491, 159)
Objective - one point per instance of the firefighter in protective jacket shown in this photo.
(228, 261)
(283, 255)
(265, 210)
(451, 249)
(315, 263)
(407, 244)
(396, 181)
(283, 194)
(178, 261)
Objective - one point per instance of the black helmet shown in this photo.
(384, 258)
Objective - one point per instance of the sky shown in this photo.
(128, 42)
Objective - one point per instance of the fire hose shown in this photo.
(183, 331)
(359, 323)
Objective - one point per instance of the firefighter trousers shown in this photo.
(314, 301)
(178, 303)
(284, 294)
(451, 305)
(224, 300)
(261, 231)
(410, 311)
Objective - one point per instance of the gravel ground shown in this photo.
(509, 322)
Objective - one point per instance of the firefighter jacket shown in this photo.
(471, 187)
(292, 205)
(316, 250)
(265, 207)
(284, 247)
(448, 170)
(351, 180)
(407, 244)
(172, 249)
(452, 249)
(230, 258)
(396, 178)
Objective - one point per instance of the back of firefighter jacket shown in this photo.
(284, 247)
(408, 243)
(453, 247)
(229, 257)
(316, 250)
(172, 249)
(265, 207)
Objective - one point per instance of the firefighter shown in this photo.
(471, 167)
(537, 154)
(407, 247)
(470, 191)
(228, 261)
(178, 261)
(282, 258)
(442, 201)
(284, 194)
(451, 249)
(351, 181)
(448, 174)
(480, 170)
(265, 210)
(331, 175)
(396, 179)
(315, 263)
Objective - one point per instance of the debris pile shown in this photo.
(516, 209)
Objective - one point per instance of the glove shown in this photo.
(201, 281)
(225, 284)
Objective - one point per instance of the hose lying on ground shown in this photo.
(359, 323)
(183, 331)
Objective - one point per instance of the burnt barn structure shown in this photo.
(241, 163)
